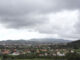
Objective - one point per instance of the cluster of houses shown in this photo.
(38, 51)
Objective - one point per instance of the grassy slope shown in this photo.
(33, 59)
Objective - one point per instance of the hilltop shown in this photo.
(74, 44)
(34, 41)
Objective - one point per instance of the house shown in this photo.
(15, 53)
(60, 54)
(5, 51)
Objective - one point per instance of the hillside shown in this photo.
(34, 41)
(74, 44)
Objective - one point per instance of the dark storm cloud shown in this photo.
(21, 13)
(35, 13)
(68, 4)
(22, 21)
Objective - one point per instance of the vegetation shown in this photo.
(69, 56)
(73, 56)
(41, 52)
(74, 44)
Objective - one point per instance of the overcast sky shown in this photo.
(27, 19)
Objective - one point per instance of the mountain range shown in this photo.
(34, 41)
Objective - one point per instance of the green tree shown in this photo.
(73, 56)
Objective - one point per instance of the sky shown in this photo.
(28, 19)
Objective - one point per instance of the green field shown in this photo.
(34, 59)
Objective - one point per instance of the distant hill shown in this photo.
(74, 44)
(34, 41)
(50, 40)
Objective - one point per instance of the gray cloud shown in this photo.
(19, 12)
(77, 26)
(22, 21)
(32, 14)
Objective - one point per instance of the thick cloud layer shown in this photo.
(27, 7)
(36, 14)
(20, 13)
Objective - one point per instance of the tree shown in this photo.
(73, 56)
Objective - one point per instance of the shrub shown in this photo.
(73, 56)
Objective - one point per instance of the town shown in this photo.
(36, 51)
(41, 50)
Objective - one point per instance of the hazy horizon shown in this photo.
(28, 19)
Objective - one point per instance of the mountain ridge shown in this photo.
(34, 41)
(74, 44)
